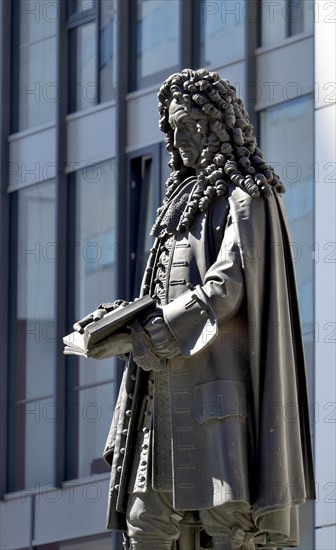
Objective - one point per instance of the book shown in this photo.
(113, 322)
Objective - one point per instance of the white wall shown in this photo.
(325, 271)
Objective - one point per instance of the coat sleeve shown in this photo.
(193, 318)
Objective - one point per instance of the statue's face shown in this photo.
(187, 139)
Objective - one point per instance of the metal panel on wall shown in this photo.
(91, 136)
(32, 157)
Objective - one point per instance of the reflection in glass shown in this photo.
(95, 407)
(273, 22)
(96, 250)
(287, 142)
(222, 32)
(77, 6)
(107, 51)
(158, 39)
(38, 91)
(36, 288)
(40, 418)
(33, 384)
(95, 282)
(86, 57)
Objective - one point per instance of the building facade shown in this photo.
(83, 167)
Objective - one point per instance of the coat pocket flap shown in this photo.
(219, 399)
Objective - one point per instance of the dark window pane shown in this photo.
(295, 17)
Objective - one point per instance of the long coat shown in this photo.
(240, 421)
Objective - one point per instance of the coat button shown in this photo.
(145, 430)
(130, 396)
(148, 413)
(129, 412)
(203, 312)
(117, 487)
(122, 451)
(133, 377)
(125, 432)
(119, 469)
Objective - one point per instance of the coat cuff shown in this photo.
(192, 321)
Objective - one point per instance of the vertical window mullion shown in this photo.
(98, 50)
(12, 432)
(15, 66)
(5, 220)
(71, 371)
(61, 239)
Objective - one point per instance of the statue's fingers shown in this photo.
(98, 314)
(82, 323)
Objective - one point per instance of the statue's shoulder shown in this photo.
(243, 206)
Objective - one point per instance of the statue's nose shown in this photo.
(178, 137)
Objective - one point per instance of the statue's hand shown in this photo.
(163, 342)
(117, 344)
(101, 310)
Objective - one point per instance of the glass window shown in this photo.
(158, 34)
(102, 542)
(222, 32)
(32, 412)
(287, 143)
(83, 71)
(107, 51)
(37, 82)
(283, 18)
(95, 252)
(80, 6)
(92, 46)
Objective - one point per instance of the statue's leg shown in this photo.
(228, 528)
(152, 521)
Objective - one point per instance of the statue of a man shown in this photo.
(202, 423)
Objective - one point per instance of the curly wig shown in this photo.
(230, 151)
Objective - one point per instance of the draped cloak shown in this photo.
(239, 408)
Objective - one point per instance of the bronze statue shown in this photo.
(201, 432)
